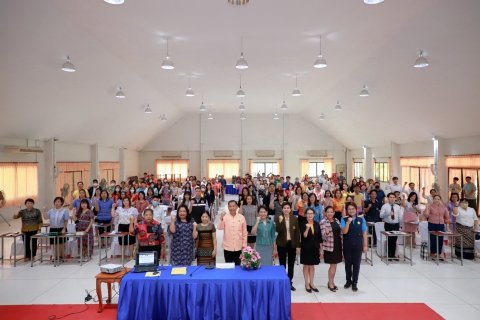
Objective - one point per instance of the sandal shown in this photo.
(334, 289)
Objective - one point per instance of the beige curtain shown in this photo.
(229, 168)
(390, 169)
(416, 162)
(19, 181)
(109, 171)
(279, 167)
(250, 167)
(452, 173)
(304, 167)
(173, 169)
(467, 161)
(328, 166)
(70, 174)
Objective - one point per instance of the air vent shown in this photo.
(265, 153)
(18, 149)
(317, 153)
(223, 153)
(171, 154)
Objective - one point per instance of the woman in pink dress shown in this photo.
(410, 214)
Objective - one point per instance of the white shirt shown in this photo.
(394, 187)
(407, 192)
(158, 213)
(429, 198)
(385, 213)
(466, 217)
(125, 214)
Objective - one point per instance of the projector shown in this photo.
(111, 268)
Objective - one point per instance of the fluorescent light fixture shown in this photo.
(364, 92)
(421, 61)
(372, 1)
(120, 94)
(114, 1)
(68, 66)
(238, 2)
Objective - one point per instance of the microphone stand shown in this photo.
(195, 270)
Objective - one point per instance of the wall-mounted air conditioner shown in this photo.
(265, 153)
(171, 154)
(18, 149)
(317, 153)
(223, 153)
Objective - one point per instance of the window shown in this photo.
(264, 167)
(315, 168)
(109, 171)
(173, 170)
(381, 171)
(228, 168)
(19, 181)
(70, 174)
(358, 169)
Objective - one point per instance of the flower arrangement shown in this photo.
(250, 258)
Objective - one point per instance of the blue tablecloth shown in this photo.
(209, 294)
(230, 189)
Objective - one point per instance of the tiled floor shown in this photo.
(449, 289)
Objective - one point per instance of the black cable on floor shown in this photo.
(54, 317)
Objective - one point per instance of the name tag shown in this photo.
(358, 222)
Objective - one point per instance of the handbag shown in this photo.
(424, 251)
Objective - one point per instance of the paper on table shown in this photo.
(229, 265)
(179, 271)
(150, 274)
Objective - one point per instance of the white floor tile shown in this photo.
(476, 306)
(455, 312)
(465, 289)
(76, 292)
(24, 291)
(414, 290)
(367, 292)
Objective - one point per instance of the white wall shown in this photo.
(290, 138)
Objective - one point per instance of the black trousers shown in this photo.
(232, 256)
(352, 253)
(282, 257)
(472, 203)
(27, 235)
(392, 241)
(371, 230)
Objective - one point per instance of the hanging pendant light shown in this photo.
(202, 106)
(210, 117)
(240, 93)
(241, 63)
(68, 66)
(238, 2)
(167, 63)
(114, 1)
(338, 107)
(275, 116)
(322, 117)
(147, 109)
(242, 117)
(163, 118)
(120, 94)
(372, 1)
(320, 62)
(242, 107)
(284, 105)
(296, 92)
(364, 92)
(421, 61)
(189, 91)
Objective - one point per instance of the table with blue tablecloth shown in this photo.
(207, 294)
(230, 189)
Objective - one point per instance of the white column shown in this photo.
(95, 165)
(441, 176)
(395, 170)
(122, 170)
(368, 163)
(348, 163)
(50, 165)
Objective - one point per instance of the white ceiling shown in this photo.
(125, 45)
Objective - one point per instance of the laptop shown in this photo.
(146, 262)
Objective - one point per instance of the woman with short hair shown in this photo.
(264, 229)
(85, 217)
(207, 241)
(31, 225)
(437, 216)
(183, 230)
(104, 208)
(126, 218)
(311, 248)
(466, 222)
(150, 234)
(332, 245)
(58, 217)
(249, 211)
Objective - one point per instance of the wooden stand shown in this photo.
(108, 279)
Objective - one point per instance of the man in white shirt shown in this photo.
(321, 178)
(390, 213)
(158, 212)
(395, 186)
(411, 188)
(429, 198)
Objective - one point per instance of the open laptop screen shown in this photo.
(146, 258)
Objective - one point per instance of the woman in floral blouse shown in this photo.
(183, 231)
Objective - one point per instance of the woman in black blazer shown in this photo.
(209, 194)
(311, 248)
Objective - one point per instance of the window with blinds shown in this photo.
(228, 168)
(19, 181)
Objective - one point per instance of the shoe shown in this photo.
(354, 287)
(308, 290)
(314, 289)
(292, 288)
(333, 289)
(85, 260)
(395, 259)
(348, 284)
(433, 258)
(441, 259)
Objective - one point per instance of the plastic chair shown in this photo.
(19, 246)
(379, 227)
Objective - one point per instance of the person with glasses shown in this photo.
(390, 214)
